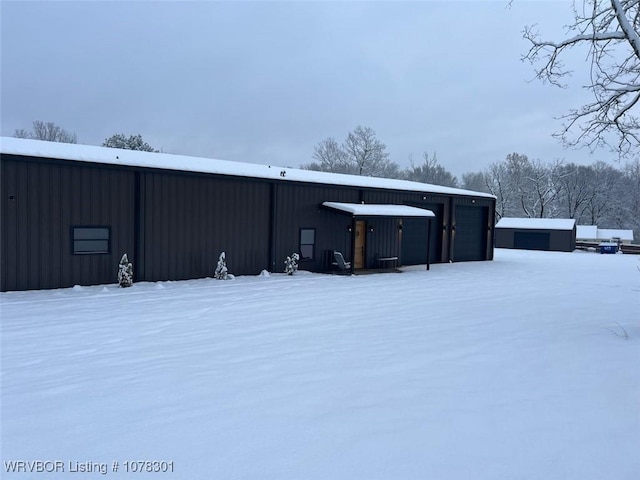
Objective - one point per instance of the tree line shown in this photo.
(361, 153)
(598, 194)
(51, 132)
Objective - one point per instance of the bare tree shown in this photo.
(360, 154)
(133, 142)
(329, 157)
(522, 187)
(475, 181)
(518, 169)
(366, 152)
(603, 204)
(574, 185)
(430, 171)
(608, 31)
(632, 176)
(499, 184)
(543, 190)
(47, 131)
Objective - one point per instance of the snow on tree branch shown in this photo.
(608, 30)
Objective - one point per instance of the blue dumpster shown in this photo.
(608, 247)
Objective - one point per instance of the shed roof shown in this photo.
(609, 233)
(592, 232)
(374, 210)
(115, 156)
(586, 232)
(537, 223)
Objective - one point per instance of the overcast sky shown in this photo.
(264, 82)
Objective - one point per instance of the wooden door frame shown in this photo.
(355, 243)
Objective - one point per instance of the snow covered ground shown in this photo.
(513, 369)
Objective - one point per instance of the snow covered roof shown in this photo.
(537, 223)
(114, 156)
(363, 209)
(586, 232)
(609, 233)
(592, 232)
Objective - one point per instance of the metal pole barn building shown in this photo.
(553, 234)
(70, 211)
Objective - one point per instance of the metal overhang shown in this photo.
(378, 210)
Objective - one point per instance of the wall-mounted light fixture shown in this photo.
(371, 228)
(349, 228)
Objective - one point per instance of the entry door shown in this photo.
(358, 255)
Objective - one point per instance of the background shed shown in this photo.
(591, 233)
(553, 234)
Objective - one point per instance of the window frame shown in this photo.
(313, 245)
(75, 251)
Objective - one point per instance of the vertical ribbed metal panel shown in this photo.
(491, 221)
(185, 220)
(470, 233)
(299, 206)
(382, 239)
(51, 196)
(434, 202)
(190, 219)
(535, 239)
(8, 240)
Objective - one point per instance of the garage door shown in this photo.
(414, 233)
(531, 240)
(470, 239)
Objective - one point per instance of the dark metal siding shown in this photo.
(437, 203)
(528, 240)
(173, 225)
(563, 240)
(536, 239)
(414, 230)
(188, 220)
(476, 240)
(299, 206)
(383, 239)
(469, 241)
(49, 198)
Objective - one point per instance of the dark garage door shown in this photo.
(414, 231)
(471, 233)
(531, 240)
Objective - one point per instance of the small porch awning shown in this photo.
(378, 210)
